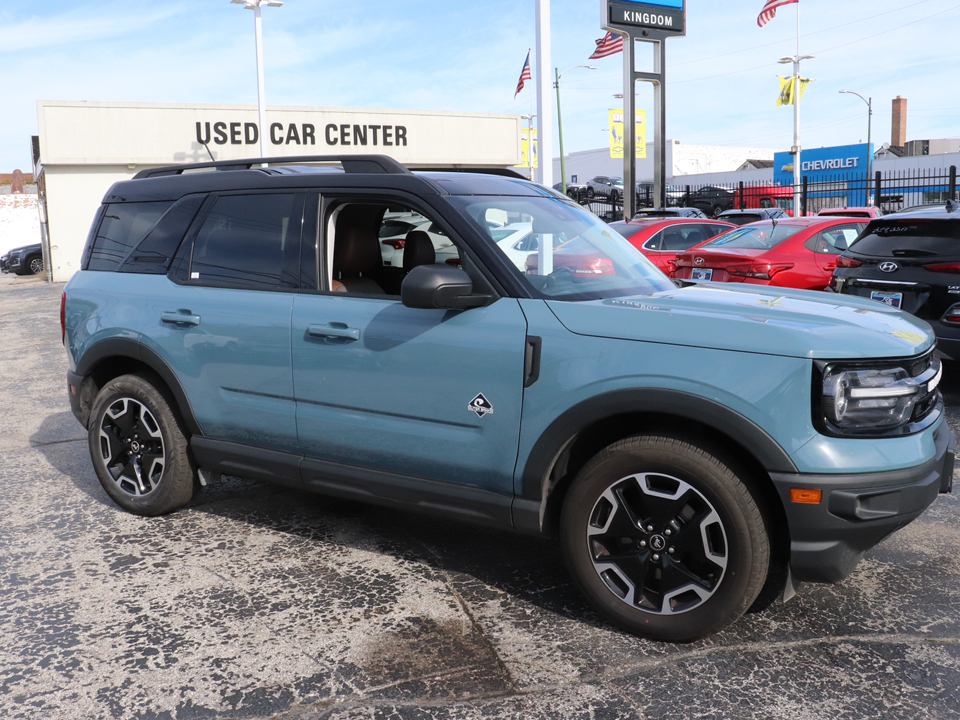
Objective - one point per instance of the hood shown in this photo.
(745, 318)
(22, 248)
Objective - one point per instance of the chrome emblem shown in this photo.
(888, 266)
(658, 542)
(698, 261)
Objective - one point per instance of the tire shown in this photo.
(717, 209)
(35, 264)
(614, 196)
(138, 446)
(698, 560)
(589, 193)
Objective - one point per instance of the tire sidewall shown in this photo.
(175, 487)
(740, 583)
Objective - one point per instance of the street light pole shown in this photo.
(869, 102)
(795, 150)
(255, 5)
(563, 164)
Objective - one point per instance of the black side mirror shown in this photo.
(439, 286)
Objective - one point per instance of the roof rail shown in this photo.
(504, 172)
(374, 164)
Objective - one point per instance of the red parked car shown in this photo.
(864, 212)
(794, 252)
(661, 238)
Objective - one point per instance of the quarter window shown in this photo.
(124, 225)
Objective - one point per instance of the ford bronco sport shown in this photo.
(696, 450)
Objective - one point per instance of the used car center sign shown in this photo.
(665, 15)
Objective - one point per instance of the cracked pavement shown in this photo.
(264, 602)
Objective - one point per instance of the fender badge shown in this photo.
(481, 406)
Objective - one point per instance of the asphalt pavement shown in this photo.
(264, 602)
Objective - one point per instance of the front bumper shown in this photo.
(857, 511)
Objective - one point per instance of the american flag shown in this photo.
(611, 44)
(524, 75)
(770, 10)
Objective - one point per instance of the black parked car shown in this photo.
(910, 260)
(742, 217)
(575, 191)
(26, 260)
(670, 212)
(711, 199)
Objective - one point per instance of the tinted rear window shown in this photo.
(755, 236)
(123, 226)
(888, 238)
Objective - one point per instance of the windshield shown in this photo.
(754, 236)
(617, 181)
(576, 256)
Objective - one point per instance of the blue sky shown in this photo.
(461, 56)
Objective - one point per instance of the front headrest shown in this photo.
(357, 247)
(418, 250)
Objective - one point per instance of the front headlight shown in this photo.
(873, 399)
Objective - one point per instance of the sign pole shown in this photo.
(651, 21)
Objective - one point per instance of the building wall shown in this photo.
(74, 193)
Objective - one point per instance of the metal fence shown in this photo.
(890, 191)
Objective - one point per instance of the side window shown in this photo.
(837, 239)
(123, 226)
(372, 247)
(766, 202)
(243, 241)
(655, 243)
(680, 237)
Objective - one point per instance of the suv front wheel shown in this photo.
(138, 447)
(664, 539)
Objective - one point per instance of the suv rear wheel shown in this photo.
(138, 447)
(664, 539)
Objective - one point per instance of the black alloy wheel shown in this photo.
(664, 538)
(138, 447)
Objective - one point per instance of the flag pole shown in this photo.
(544, 103)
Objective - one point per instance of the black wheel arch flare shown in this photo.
(121, 349)
(535, 509)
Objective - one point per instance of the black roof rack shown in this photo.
(504, 172)
(373, 164)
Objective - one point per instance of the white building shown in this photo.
(682, 160)
(86, 147)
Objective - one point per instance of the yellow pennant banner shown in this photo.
(528, 149)
(788, 90)
(616, 133)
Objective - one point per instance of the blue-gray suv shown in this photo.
(697, 451)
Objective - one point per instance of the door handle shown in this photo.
(333, 330)
(180, 318)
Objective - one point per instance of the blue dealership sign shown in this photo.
(821, 164)
(843, 167)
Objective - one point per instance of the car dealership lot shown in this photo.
(262, 602)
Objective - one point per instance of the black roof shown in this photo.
(349, 171)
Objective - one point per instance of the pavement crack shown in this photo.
(448, 580)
